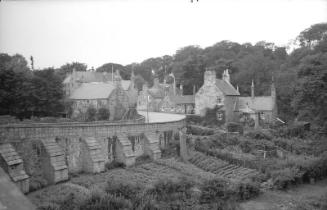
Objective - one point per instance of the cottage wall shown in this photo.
(208, 97)
(142, 100)
(118, 103)
(229, 105)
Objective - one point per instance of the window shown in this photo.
(219, 116)
(219, 101)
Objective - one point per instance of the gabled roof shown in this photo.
(182, 99)
(89, 76)
(125, 84)
(226, 88)
(94, 90)
(260, 103)
(156, 93)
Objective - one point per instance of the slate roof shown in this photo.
(156, 93)
(226, 88)
(259, 103)
(184, 99)
(93, 91)
(89, 76)
(97, 90)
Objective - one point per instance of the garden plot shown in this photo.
(187, 169)
(221, 168)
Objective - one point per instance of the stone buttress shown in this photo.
(53, 162)
(93, 157)
(12, 163)
(151, 144)
(124, 151)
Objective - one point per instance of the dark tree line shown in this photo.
(300, 76)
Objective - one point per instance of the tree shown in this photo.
(109, 67)
(312, 35)
(103, 114)
(68, 69)
(310, 99)
(90, 114)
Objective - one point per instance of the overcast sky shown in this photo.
(126, 31)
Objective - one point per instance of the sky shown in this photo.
(96, 32)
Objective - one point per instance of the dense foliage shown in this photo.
(25, 93)
(164, 194)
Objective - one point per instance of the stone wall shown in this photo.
(208, 96)
(51, 150)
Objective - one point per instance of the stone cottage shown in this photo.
(233, 107)
(217, 92)
(117, 96)
(163, 97)
(150, 98)
(77, 78)
(181, 104)
(260, 108)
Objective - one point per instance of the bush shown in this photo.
(193, 119)
(90, 114)
(37, 182)
(103, 201)
(125, 190)
(283, 178)
(234, 127)
(199, 130)
(142, 159)
(214, 191)
(103, 114)
(174, 194)
(168, 190)
(114, 164)
(247, 190)
(260, 134)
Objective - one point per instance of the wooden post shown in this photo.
(183, 146)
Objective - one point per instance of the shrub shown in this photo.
(283, 178)
(49, 207)
(214, 191)
(102, 114)
(37, 182)
(245, 146)
(90, 113)
(143, 159)
(125, 190)
(199, 130)
(260, 134)
(193, 119)
(234, 127)
(103, 201)
(246, 190)
(114, 164)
